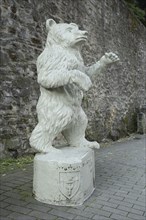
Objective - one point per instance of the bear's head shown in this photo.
(66, 35)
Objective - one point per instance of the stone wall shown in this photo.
(117, 94)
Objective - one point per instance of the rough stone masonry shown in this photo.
(117, 94)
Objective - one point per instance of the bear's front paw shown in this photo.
(109, 58)
(81, 79)
(85, 83)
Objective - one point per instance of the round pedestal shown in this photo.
(64, 178)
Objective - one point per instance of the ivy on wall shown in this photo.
(139, 9)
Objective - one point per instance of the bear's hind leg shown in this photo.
(49, 127)
(41, 140)
(75, 133)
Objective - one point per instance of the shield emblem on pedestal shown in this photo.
(69, 183)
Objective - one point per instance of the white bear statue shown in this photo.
(63, 77)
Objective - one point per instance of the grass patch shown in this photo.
(25, 195)
(9, 164)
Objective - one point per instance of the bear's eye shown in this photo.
(69, 29)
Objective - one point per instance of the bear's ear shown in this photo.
(50, 23)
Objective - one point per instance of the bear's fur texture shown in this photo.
(63, 78)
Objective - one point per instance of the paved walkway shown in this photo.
(119, 194)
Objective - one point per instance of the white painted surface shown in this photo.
(65, 178)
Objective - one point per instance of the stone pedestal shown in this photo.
(64, 178)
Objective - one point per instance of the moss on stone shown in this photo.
(130, 122)
(10, 164)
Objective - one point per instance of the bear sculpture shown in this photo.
(63, 77)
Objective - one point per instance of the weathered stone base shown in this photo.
(64, 178)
